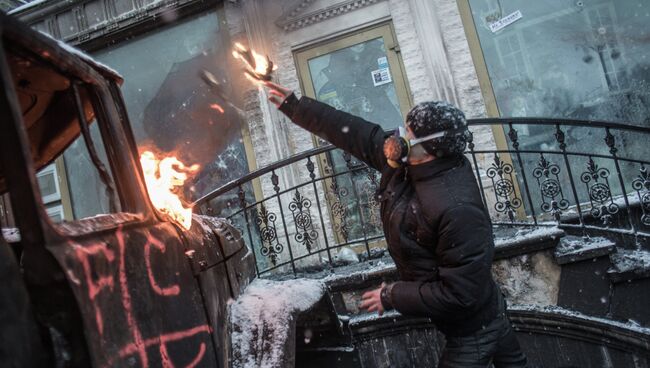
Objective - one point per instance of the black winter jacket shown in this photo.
(437, 229)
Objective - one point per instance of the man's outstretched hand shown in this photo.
(277, 93)
(371, 300)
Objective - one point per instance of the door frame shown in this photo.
(384, 30)
(489, 97)
(302, 56)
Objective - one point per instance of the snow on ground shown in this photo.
(536, 232)
(630, 260)
(346, 255)
(505, 236)
(263, 320)
(363, 270)
(575, 245)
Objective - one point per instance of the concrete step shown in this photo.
(575, 248)
(628, 265)
(515, 240)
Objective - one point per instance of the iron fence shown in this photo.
(588, 177)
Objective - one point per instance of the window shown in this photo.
(49, 184)
(174, 112)
(511, 54)
(361, 74)
(573, 59)
(88, 193)
(605, 44)
(68, 177)
(55, 213)
(52, 182)
(585, 60)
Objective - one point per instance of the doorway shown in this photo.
(360, 73)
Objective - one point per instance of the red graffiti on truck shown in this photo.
(102, 280)
(167, 291)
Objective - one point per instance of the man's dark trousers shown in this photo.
(495, 344)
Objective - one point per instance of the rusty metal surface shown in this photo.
(152, 295)
(140, 303)
(224, 266)
(39, 71)
(207, 260)
(124, 289)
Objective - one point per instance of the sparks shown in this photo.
(162, 177)
(256, 67)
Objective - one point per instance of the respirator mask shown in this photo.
(397, 147)
(436, 121)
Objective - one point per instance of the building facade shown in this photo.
(375, 58)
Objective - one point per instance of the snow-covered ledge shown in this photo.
(263, 321)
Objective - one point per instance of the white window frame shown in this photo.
(56, 196)
(56, 210)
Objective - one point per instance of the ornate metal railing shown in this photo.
(589, 177)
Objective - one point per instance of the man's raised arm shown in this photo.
(360, 138)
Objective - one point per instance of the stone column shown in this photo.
(434, 52)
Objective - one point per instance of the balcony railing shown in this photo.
(588, 177)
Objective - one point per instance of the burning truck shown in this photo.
(147, 285)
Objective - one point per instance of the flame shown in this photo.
(162, 177)
(217, 107)
(257, 67)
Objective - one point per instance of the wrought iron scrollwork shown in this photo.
(351, 162)
(610, 141)
(275, 180)
(305, 232)
(310, 168)
(642, 187)
(370, 192)
(596, 180)
(560, 137)
(241, 194)
(501, 174)
(271, 246)
(514, 137)
(548, 180)
(470, 140)
(334, 194)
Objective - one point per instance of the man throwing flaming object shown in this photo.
(438, 231)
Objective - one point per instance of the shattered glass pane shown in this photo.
(173, 111)
(358, 80)
(569, 59)
(584, 60)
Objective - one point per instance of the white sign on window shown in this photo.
(505, 21)
(381, 76)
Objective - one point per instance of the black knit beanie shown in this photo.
(427, 118)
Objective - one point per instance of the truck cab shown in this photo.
(128, 288)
